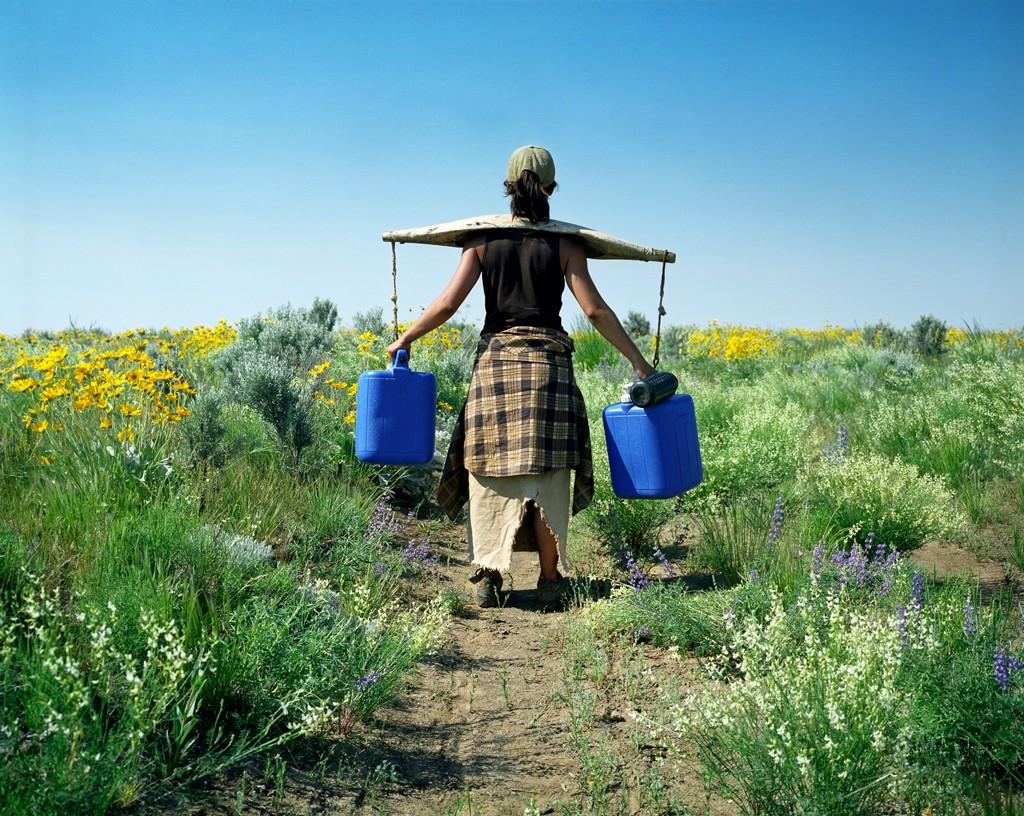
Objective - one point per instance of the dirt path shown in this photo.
(482, 721)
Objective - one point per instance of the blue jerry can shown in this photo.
(653, 452)
(396, 412)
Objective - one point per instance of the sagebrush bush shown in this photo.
(268, 385)
(883, 335)
(298, 337)
(637, 325)
(861, 494)
(667, 614)
(323, 313)
(928, 336)
(204, 430)
(370, 322)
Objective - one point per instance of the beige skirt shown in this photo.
(497, 508)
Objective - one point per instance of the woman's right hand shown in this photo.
(642, 369)
(399, 344)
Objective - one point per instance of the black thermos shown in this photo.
(651, 390)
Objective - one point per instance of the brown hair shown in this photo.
(528, 197)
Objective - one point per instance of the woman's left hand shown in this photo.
(399, 344)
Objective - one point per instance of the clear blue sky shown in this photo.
(170, 163)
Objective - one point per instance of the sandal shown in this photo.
(549, 591)
(487, 585)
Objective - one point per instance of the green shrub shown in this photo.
(928, 336)
(814, 722)
(857, 495)
(299, 338)
(318, 649)
(371, 321)
(634, 524)
(85, 725)
(592, 350)
(882, 335)
(204, 429)
(667, 614)
(965, 419)
(731, 537)
(269, 387)
(962, 719)
(848, 702)
(757, 449)
(636, 325)
(324, 314)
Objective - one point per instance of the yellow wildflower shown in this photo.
(22, 384)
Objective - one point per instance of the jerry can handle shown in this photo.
(401, 359)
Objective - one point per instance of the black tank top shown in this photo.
(523, 280)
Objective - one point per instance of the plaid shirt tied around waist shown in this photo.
(524, 414)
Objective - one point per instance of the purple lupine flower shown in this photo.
(970, 622)
(886, 586)
(839, 561)
(418, 554)
(917, 591)
(816, 556)
(1003, 665)
(367, 680)
(842, 440)
(383, 521)
(858, 565)
(637, 579)
(665, 564)
(901, 621)
(380, 568)
(755, 576)
(887, 569)
(866, 565)
(777, 518)
(837, 451)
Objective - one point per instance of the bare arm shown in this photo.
(599, 313)
(446, 304)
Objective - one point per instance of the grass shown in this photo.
(187, 598)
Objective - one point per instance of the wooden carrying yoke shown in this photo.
(600, 246)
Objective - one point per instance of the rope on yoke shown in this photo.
(661, 311)
(394, 287)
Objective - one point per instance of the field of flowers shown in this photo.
(194, 569)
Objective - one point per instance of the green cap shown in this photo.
(531, 157)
